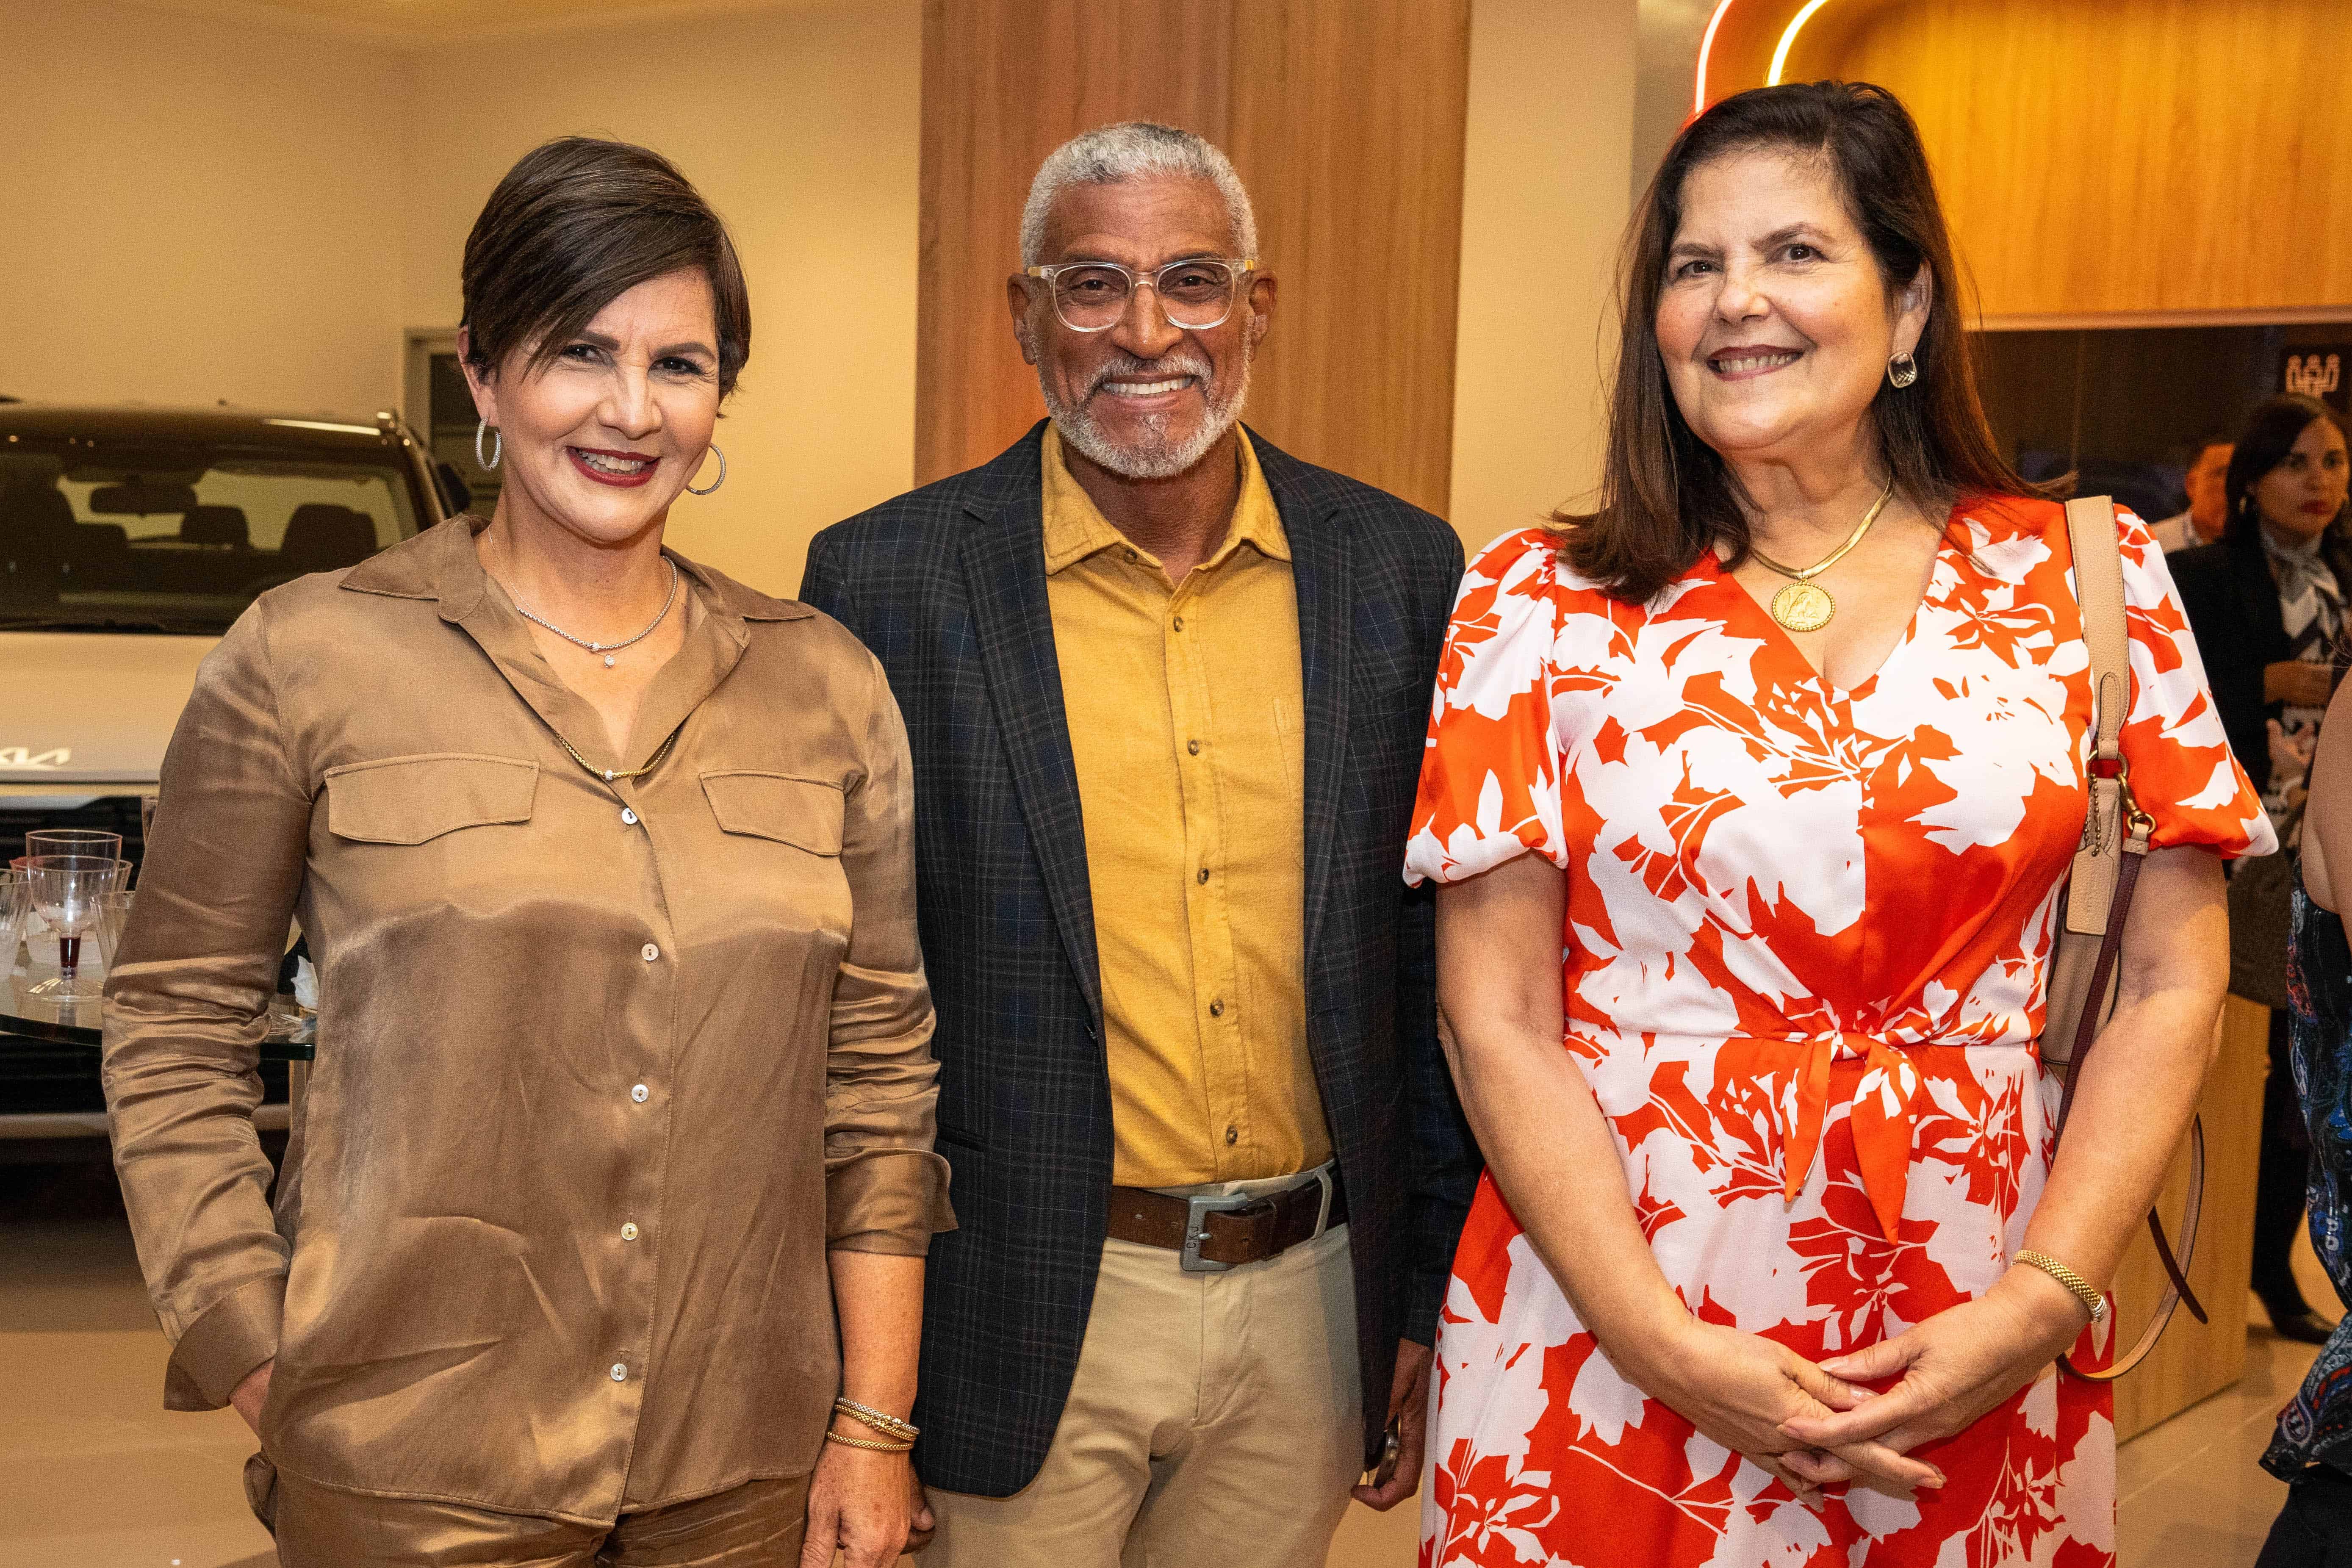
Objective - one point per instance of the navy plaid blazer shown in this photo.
(947, 587)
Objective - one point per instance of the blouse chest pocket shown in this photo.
(803, 813)
(411, 800)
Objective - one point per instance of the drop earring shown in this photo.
(1902, 370)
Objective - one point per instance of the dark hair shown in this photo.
(2270, 433)
(577, 223)
(1666, 496)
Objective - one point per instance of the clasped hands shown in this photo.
(1813, 1424)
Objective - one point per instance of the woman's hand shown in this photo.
(2289, 754)
(249, 1396)
(860, 1503)
(1742, 1391)
(2297, 683)
(1957, 1365)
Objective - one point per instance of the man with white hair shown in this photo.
(1167, 690)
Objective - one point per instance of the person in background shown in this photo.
(1165, 687)
(1766, 776)
(2267, 605)
(2206, 482)
(2311, 1449)
(622, 1108)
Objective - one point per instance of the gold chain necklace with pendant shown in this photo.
(609, 774)
(1803, 605)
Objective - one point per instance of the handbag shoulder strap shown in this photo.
(2107, 866)
(2099, 590)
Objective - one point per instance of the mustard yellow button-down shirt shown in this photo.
(608, 1062)
(1187, 727)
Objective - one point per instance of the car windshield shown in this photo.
(181, 538)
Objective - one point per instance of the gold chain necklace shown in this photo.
(1803, 605)
(609, 774)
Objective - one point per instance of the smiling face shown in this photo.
(1144, 398)
(600, 439)
(1774, 320)
(2303, 495)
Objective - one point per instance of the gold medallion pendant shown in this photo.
(1803, 607)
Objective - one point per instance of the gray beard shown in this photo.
(1156, 455)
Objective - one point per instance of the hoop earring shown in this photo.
(1903, 370)
(717, 482)
(498, 445)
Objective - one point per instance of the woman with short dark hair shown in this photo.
(2267, 603)
(1783, 749)
(622, 1103)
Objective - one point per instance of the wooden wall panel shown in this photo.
(2101, 156)
(1344, 119)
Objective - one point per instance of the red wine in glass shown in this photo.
(68, 957)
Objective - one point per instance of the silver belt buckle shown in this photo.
(1198, 1209)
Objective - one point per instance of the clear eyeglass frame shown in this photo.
(1237, 267)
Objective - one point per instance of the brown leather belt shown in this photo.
(1213, 1234)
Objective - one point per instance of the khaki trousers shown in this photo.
(755, 1525)
(1216, 1421)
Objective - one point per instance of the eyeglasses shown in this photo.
(1194, 294)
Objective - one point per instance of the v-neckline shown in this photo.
(1787, 646)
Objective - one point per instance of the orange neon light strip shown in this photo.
(1788, 39)
(1705, 46)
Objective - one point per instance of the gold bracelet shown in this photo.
(882, 1421)
(2073, 1282)
(832, 1437)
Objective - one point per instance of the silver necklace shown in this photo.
(602, 647)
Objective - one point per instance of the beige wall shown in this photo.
(801, 128)
(1543, 201)
(197, 210)
(204, 207)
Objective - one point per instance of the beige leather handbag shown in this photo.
(2098, 896)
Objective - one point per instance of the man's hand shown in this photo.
(1409, 1408)
(248, 1396)
(920, 1522)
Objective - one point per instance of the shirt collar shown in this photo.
(1077, 529)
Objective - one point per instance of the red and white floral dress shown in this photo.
(1805, 940)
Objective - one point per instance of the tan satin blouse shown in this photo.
(605, 1067)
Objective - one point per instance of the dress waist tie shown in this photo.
(1880, 1111)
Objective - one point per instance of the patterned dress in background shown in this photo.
(1806, 932)
(2315, 1427)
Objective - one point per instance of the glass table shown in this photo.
(74, 1021)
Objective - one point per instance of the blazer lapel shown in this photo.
(1004, 570)
(1327, 609)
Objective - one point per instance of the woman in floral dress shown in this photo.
(1742, 1285)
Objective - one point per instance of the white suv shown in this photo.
(130, 539)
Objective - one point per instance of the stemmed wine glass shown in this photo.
(65, 891)
(73, 841)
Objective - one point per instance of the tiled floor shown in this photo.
(97, 1475)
